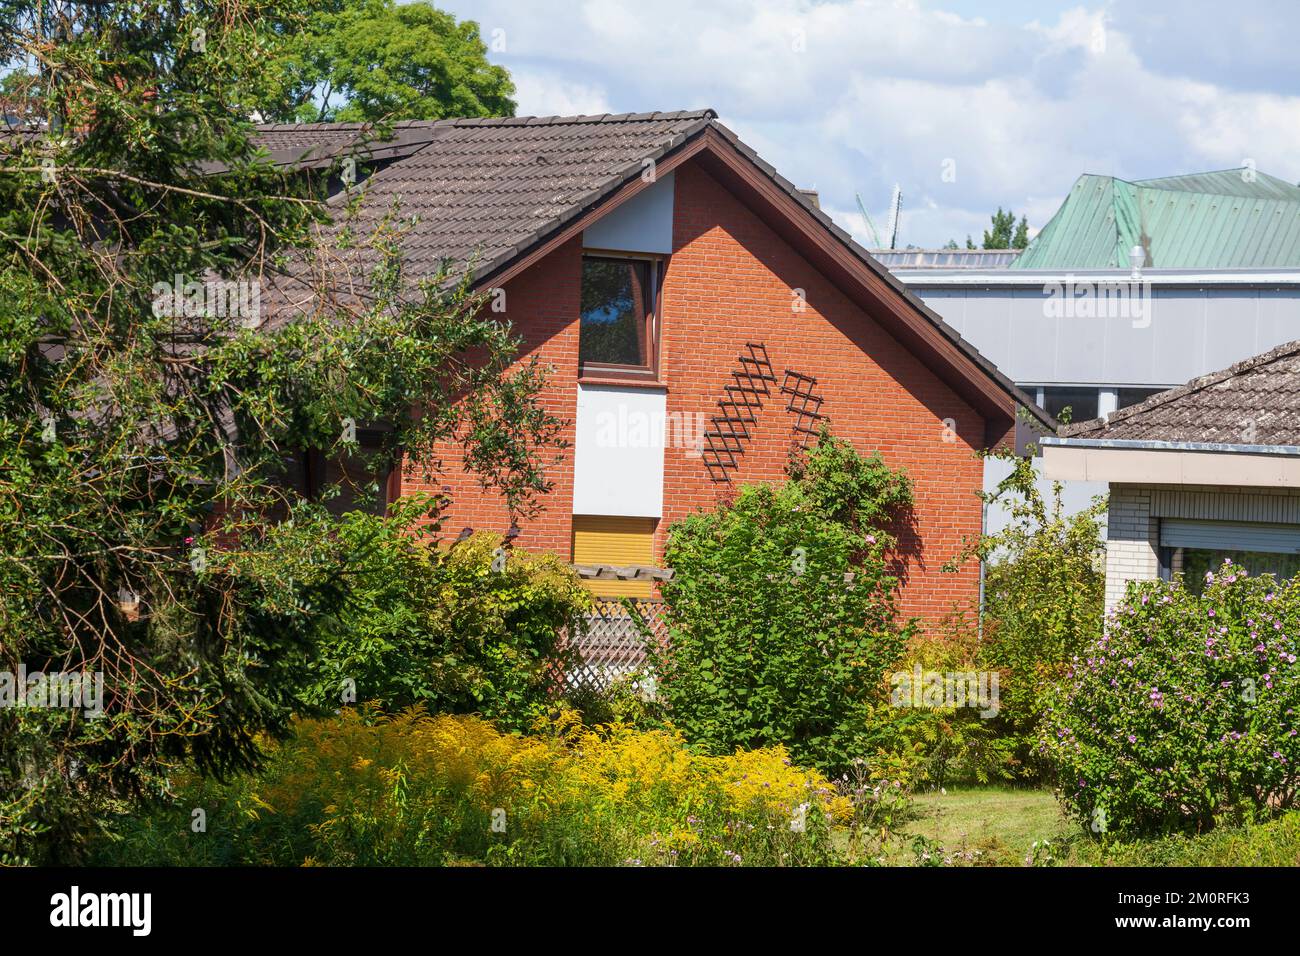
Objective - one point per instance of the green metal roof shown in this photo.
(1230, 219)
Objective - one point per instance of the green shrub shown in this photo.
(781, 612)
(472, 629)
(1183, 715)
(950, 745)
(1044, 596)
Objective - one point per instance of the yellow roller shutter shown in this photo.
(601, 539)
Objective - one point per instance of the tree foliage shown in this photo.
(1005, 232)
(1044, 594)
(370, 60)
(151, 526)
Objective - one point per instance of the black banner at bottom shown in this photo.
(342, 906)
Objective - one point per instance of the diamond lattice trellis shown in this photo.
(610, 645)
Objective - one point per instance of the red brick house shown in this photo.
(699, 314)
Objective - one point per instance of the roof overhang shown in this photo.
(829, 249)
(1171, 463)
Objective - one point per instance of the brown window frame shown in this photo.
(606, 372)
(369, 440)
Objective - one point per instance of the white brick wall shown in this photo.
(1131, 541)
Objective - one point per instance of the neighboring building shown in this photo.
(701, 317)
(945, 259)
(1219, 281)
(1197, 474)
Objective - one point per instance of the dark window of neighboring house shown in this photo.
(363, 479)
(1082, 402)
(1131, 396)
(1197, 561)
(617, 332)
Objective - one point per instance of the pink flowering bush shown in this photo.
(1183, 715)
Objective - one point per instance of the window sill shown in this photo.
(644, 382)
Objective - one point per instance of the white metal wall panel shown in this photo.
(1191, 331)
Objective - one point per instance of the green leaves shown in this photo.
(1182, 716)
(781, 611)
(439, 627)
(1044, 594)
(134, 433)
(372, 60)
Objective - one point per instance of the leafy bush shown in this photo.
(417, 790)
(781, 611)
(472, 629)
(1183, 715)
(949, 745)
(1044, 597)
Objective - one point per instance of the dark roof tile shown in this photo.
(1255, 402)
(485, 190)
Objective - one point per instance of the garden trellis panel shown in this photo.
(611, 645)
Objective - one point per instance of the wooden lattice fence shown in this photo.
(610, 645)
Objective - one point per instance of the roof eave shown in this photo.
(1144, 444)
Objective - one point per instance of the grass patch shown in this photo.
(1003, 824)
(1275, 843)
(999, 822)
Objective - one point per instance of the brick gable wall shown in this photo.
(729, 282)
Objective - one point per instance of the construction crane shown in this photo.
(891, 227)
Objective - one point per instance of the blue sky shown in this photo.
(967, 105)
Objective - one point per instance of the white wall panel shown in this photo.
(618, 451)
(1191, 331)
(642, 224)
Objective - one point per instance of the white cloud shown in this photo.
(545, 93)
(856, 95)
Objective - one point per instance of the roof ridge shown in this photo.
(580, 118)
(1215, 172)
(465, 121)
(1198, 384)
(1154, 181)
(1204, 172)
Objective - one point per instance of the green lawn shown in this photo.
(1001, 823)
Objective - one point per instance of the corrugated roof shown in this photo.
(903, 259)
(1229, 219)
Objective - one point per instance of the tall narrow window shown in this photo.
(617, 334)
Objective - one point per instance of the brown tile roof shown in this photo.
(485, 189)
(488, 190)
(1255, 402)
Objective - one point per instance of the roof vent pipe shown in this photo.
(1137, 257)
